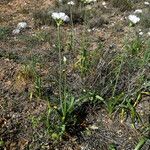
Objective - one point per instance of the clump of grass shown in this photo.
(29, 74)
(122, 78)
(98, 22)
(9, 55)
(77, 12)
(123, 5)
(145, 19)
(41, 17)
(38, 38)
(134, 47)
(4, 33)
(5, 1)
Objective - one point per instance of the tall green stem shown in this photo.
(118, 75)
(60, 63)
(72, 30)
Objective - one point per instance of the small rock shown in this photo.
(16, 31)
(21, 25)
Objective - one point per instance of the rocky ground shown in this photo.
(19, 130)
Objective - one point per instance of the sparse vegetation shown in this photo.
(4, 33)
(123, 5)
(74, 78)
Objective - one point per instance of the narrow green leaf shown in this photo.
(141, 143)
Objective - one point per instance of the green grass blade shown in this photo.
(141, 143)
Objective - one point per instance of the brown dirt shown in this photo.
(16, 108)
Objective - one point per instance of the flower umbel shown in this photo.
(71, 3)
(134, 19)
(89, 1)
(60, 16)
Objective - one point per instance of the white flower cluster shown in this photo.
(71, 3)
(89, 1)
(134, 19)
(146, 3)
(60, 16)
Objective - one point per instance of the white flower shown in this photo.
(89, 1)
(134, 19)
(140, 33)
(138, 11)
(103, 3)
(60, 16)
(146, 3)
(148, 33)
(71, 3)
(88, 7)
(21, 25)
(89, 30)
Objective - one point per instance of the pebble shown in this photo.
(16, 31)
(21, 25)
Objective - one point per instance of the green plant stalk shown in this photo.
(64, 102)
(72, 31)
(60, 63)
(141, 143)
(117, 77)
(48, 116)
